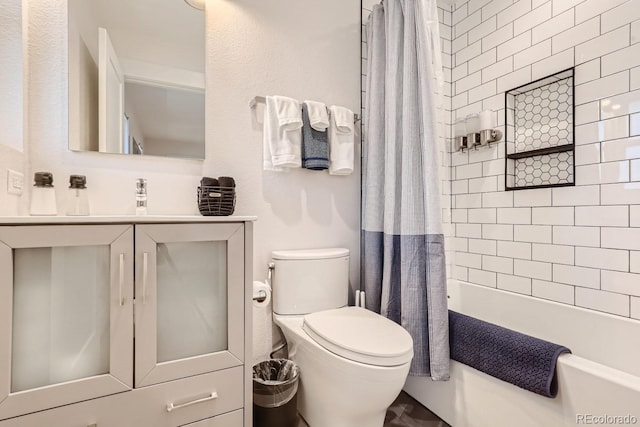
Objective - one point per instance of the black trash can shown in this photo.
(275, 388)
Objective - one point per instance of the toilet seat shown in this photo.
(360, 335)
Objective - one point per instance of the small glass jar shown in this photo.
(78, 196)
(43, 195)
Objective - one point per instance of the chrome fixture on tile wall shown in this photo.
(476, 130)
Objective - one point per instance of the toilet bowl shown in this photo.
(339, 392)
(353, 362)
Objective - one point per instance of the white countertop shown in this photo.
(120, 219)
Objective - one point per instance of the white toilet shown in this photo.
(353, 362)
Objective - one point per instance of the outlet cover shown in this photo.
(15, 182)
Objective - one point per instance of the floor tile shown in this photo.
(406, 412)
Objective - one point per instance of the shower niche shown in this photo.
(539, 133)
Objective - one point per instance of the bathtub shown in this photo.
(599, 384)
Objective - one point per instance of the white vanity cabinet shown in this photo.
(127, 321)
(189, 285)
(66, 317)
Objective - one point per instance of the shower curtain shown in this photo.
(402, 238)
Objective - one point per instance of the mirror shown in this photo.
(136, 77)
(11, 106)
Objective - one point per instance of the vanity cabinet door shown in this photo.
(189, 310)
(66, 296)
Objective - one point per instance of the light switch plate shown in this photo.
(15, 182)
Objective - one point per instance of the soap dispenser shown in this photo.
(141, 196)
(78, 197)
(43, 195)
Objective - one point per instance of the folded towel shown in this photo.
(315, 148)
(209, 182)
(270, 131)
(519, 359)
(318, 115)
(283, 134)
(226, 181)
(341, 141)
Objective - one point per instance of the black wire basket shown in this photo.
(216, 201)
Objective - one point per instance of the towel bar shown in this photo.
(262, 99)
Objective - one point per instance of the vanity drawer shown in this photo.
(190, 399)
(148, 406)
(232, 419)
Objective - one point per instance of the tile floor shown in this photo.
(407, 412)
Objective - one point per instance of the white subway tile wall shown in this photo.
(482, 277)
(521, 285)
(518, 250)
(553, 291)
(480, 246)
(603, 301)
(577, 276)
(635, 307)
(574, 245)
(577, 236)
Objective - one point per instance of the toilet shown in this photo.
(353, 362)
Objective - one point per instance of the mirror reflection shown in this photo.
(11, 74)
(136, 77)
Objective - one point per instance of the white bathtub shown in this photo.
(599, 381)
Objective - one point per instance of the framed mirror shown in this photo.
(136, 77)
(11, 83)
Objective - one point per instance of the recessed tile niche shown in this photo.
(539, 129)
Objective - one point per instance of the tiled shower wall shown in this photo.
(574, 245)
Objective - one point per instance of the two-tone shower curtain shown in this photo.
(403, 245)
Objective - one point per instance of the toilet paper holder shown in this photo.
(262, 295)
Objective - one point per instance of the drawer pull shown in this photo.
(212, 396)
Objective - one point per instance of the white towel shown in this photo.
(282, 136)
(341, 141)
(270, 131)
(318, 115)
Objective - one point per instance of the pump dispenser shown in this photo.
(43, 195)
(78, 197)
(141, 196)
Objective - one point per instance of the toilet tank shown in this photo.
(306, 281)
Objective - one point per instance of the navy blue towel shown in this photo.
(519, 359)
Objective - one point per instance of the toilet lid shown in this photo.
(360, 335)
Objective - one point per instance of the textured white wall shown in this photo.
(15, 160)
(11, 72)
(305, 49)
(13, 84)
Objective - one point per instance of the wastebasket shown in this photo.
(275, 388)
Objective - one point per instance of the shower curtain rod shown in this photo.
(262, 100)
